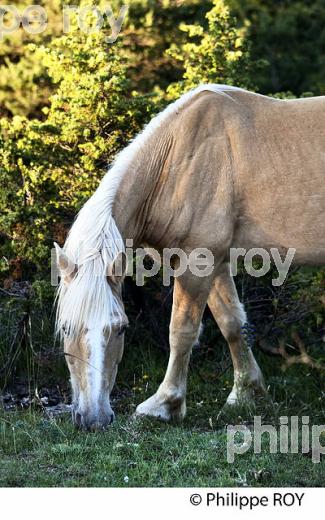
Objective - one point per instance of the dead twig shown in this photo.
(303, 358)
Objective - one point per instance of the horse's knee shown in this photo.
(231, 328)
(183, 337)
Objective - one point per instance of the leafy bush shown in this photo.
(50, 167)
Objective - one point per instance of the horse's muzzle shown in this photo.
(91, 422)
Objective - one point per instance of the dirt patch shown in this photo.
(21, 397)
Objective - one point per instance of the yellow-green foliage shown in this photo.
(24, 83)
(51, 164)
(213, 54)
(49, 167)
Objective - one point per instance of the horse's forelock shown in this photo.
(87, 300)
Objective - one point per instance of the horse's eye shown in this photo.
(122, 330)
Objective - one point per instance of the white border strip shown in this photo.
(141, 503)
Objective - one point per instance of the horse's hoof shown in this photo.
(163, 411)
(247, 394)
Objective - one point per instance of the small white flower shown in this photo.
(126, 479)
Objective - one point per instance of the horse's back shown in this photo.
(280, 177)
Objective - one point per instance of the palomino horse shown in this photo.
(219, 168)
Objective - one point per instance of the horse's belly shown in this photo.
(306, 236)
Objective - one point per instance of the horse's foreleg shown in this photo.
(230, 317)
(189, 300)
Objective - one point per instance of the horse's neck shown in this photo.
(127, 208)
(136, 194)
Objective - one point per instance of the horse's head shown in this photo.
(92, 321)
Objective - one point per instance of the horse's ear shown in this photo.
(66, 267)
(118, 268)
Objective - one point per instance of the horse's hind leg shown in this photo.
(189, 300)
(230, 316)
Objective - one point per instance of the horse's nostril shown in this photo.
(77, 418)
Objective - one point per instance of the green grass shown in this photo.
(39, 452)
(36, 450)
